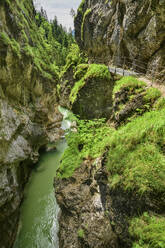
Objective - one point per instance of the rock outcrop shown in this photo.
(109, 31)
(93, 214)
(29, 117)
(84, 220)
(132, 98)
(87, 90)
(102, 198)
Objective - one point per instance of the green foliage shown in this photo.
(129, 82)
(89, 140)
(148, 231)
(160, 103)
(87, 12)
(81, 233)
(152, 94)
(15, 47)
(74, 92)
(46, 43)
(134, 90)
(80, 9)
(29, 51)
(59, 40)
(98, 71)
(136, 160)
(4, 38)
(94, 71)
(81, 70)
(7, 1)
(73, 58)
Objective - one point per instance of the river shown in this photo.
(38, 226)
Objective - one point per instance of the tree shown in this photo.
(72, 12)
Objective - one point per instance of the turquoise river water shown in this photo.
(38, 225)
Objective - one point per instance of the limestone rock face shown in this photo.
(20, 139)
(29, 116)
(87, 90)
(84, 221)
(111, 30)
(94, 99)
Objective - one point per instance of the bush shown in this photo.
(91, 137)
(148, 231)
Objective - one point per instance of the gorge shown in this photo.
(110, 181)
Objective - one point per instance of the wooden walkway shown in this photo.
(139, 72)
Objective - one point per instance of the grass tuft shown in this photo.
(136, 154)
(129, 82)
(148, 231)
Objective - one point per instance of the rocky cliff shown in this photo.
(129, 33)
(28, 107)
(110, 184)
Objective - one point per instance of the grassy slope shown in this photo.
(135, 161)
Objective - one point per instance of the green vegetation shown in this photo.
(160, 103)
(4, 38)
(88, 72)
(87, 12)
(136, 156)
(128, 82)
(74, 58)
(81, 70)
(89, 141)
(81, 233)
(58, 39)
(80, 9)
(152, 94)
(148, 231)
(138, 99)
(135, 160)
(45, 43)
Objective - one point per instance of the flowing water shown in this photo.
(38, 225)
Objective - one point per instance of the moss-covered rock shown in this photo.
(132, 98)
(28, 106)
(91, 95)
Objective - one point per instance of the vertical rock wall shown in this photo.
(111, 30)
(28, 108)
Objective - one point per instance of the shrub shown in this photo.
(148, 231)
(91, 136)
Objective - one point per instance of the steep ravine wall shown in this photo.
(28, 108)
(97, 207)
(110, 30)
